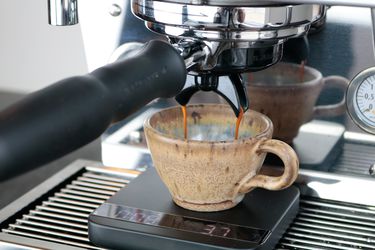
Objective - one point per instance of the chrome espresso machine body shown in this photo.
(220, 40)
(211, 44)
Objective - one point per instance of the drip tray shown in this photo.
(49, 217)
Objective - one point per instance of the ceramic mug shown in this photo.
(289, 101)
(210, 171)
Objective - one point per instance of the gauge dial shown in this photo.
(360, 99)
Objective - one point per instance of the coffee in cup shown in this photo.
(210, 170)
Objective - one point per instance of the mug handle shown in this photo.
(291, 165)
(333, 109)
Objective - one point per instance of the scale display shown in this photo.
(182, 223)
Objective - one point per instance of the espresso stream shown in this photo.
(302, 71)
(238, 122)
(185, 120)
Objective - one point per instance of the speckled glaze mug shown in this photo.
(289, 101)
(210, 171)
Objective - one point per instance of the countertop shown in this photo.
(13, 188)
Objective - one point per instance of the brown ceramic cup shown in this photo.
(289, 101)
(210, 171)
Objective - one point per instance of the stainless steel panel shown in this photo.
(357, 3)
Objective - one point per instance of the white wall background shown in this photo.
(34, 54)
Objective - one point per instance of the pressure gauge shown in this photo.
(360, 100)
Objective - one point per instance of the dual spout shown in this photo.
(202, 60)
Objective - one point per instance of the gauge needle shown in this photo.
(369, 110)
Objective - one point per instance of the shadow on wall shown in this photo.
(34, 54)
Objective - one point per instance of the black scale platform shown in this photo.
(143, 216)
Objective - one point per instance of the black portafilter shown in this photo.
(58, 119)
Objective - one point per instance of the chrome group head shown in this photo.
(219, 39)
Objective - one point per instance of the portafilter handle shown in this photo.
(58, 119)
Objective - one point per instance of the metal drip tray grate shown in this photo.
(62, 217)
(323, 224)
(356, 158)
(59, 217)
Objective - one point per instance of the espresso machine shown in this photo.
(212, 44)
(209, 45)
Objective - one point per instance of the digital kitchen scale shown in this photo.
(143, 216)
